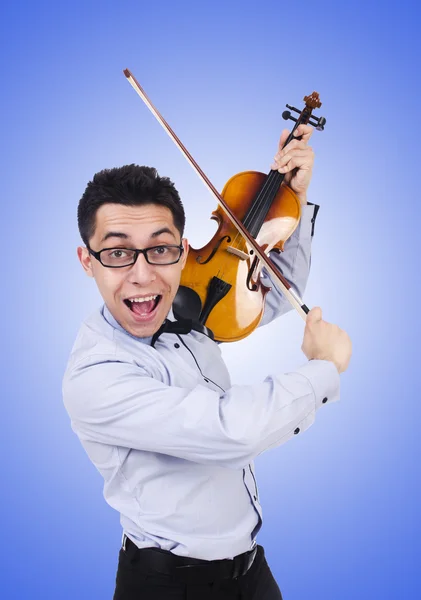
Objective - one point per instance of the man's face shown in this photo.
(137, 227)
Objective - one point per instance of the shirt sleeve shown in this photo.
(294, 263)
(118, 403)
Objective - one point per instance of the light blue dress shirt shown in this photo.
(173, 439)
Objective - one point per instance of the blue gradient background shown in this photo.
(341, 502)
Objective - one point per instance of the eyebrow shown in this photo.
(124, 236)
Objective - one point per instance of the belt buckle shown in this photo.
(237, 568)
(252, 557)
(249, 560)
(243, 563)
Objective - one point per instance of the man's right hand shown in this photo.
(325, 341)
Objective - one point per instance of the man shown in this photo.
(157, 415)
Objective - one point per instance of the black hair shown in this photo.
(130, 185)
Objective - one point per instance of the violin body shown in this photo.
(225, 272)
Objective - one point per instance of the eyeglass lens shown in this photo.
(121, 257)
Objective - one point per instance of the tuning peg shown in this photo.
(318, 123)
(293, 108)
(287, 115)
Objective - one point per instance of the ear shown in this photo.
(85, 260)
(186, 247)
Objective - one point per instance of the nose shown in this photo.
(142, 273)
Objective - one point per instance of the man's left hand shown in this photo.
(296, 161)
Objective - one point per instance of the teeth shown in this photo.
(146, 299)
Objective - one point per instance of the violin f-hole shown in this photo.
(212, 254)
(252, 286)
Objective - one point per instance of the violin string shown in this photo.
(262, 202)
(274, 179)
(267, 193)
(238, 239)
(264, 197)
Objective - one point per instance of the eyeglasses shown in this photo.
(124, 257)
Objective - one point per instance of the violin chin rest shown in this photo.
(187, 304)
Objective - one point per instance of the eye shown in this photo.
(161, 250)
(117, 253)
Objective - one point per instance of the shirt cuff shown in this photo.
(314, 210)
(323, 377)
(305, 228)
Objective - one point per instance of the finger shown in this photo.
(304, 130)
(292, 145)
(284, 136)
(296, 144)
(284, 156)
(302, 159)
(314, 315)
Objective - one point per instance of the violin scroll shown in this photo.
(305, 116)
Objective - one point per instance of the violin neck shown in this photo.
(259, 208)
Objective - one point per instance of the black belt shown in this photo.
(184, 568)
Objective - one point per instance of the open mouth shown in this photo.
(143, 307)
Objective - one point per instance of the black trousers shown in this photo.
(134, 581)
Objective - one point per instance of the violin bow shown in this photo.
(283, 283)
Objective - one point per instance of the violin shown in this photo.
(220, 284)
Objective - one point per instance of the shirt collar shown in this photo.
(114, 323)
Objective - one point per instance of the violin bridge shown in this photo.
(238, 252)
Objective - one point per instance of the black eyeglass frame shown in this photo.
(137, 251)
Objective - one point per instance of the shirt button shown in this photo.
(324, 400)
(255, 497)
(297, 430)
(176, 345)
(207, 380)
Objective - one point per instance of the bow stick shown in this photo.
(285, 286)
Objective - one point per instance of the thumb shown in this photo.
(314, 315)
